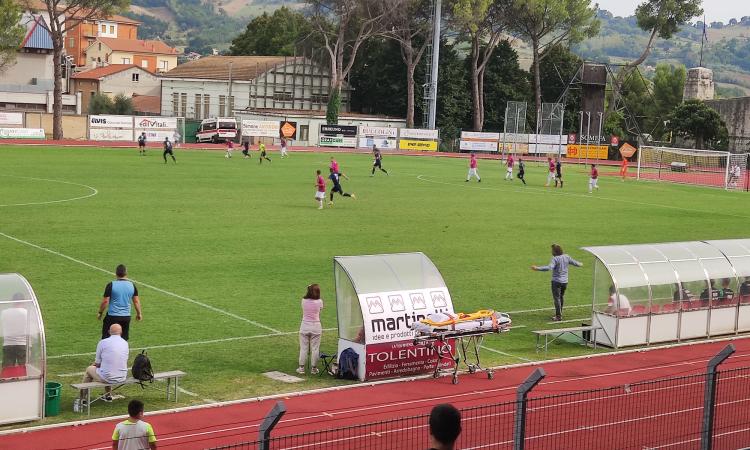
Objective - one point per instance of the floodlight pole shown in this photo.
(435, 64)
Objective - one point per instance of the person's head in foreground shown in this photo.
(135, 409)
(121, 271)
(445, 426)
(556, 250)
(115, 329)
(313, 292)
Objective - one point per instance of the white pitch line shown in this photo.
(506, 354)
(568, 321)
(539, 191)
(163, 291)
(544, 309)
(186, 392)
(188, 344)
(50, 202)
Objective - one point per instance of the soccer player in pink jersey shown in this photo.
(509, 167)
(335, 167)
(551, 171)
(594, 179)
(230, 147)
(320, 193)
(473, 168)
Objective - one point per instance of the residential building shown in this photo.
(82, 36)
(126, 79)
(154, 56)
(27, 84)
(220, 85)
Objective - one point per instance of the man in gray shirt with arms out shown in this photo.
(559, 267)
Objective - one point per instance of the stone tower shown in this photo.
(699, 84)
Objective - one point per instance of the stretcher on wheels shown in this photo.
(468, 332)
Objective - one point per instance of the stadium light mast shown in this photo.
(435, 59)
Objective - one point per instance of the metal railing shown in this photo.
(703, 411)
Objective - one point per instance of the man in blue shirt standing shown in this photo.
(117, 297)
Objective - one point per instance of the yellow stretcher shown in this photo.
(456, 336)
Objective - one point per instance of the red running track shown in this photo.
(199, 428)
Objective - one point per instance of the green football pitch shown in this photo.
(222, 250)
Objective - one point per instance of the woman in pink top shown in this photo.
(310, 330)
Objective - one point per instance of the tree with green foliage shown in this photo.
(344, 25)
(453, 105)
(411, 26)
(64, 17)
(122, 104)
(272, 35)
(100, 104)
(504, 81)
(546, 23)
(482, 23)
(668, 87)
(378, 80)
(557, 68)
(662, 18)
(11, 32)
(699, 122)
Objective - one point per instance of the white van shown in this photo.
(217, 129)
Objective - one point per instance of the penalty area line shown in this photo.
(150, 286)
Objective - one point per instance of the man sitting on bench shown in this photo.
(111, 363)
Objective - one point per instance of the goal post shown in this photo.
(690, 166)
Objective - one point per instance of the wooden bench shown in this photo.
(172, 378)
(557, 332)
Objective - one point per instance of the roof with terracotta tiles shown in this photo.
(136, 46)
(218, 67)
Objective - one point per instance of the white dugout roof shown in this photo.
(644, 265)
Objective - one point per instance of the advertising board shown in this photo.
(424, 146)
(107, 134)
(366, 130)
(11, 118)
(379, 142)
(260, 128)
(21, 133)
(337, 141)
(156, 123)
(335, 130)
(417, 133)
(111, 122)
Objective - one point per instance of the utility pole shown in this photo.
(435, 64)
(229, 98)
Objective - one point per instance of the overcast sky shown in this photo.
(715, 10)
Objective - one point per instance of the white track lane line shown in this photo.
(163, 291)
(540, 191)
(186, 344)
(51, 202)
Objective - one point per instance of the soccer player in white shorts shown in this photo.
(473, 168)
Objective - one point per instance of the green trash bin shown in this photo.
(52, 398)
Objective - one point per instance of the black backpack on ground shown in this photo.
(348, 363)
(142, 370)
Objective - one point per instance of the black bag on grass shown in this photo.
(348, 363)
(142, 370)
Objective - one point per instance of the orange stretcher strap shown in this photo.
(463, 317)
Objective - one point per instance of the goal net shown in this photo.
(690, 166)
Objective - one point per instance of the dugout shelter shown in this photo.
(651, 293)
(378, 297)
(22, 377)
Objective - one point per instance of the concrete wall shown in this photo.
(74, 126)
(736, 114)
(122, 83)
(18, 77)
(290, 87)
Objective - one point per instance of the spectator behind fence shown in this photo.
(111, 363)
(116, 300)
(133, 433)
(445, 426)
(310, 330)
(14, 325)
